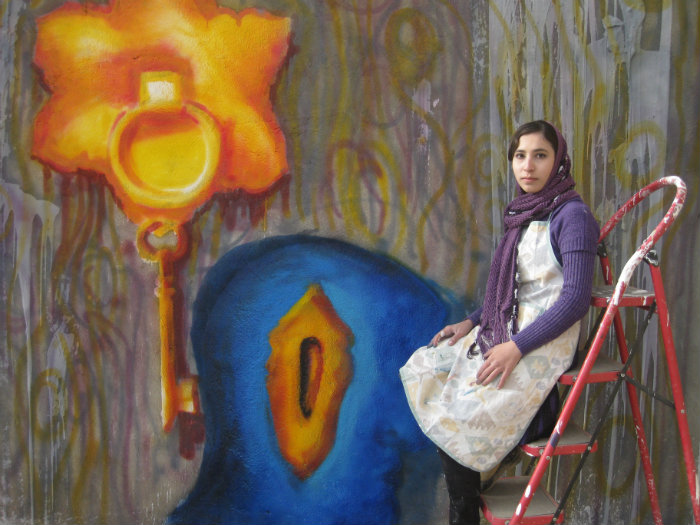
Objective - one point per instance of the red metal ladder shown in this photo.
(521, 499)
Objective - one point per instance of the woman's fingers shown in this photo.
(449, 330)
(504, 377)
(490, 370)
(455, 331)
(488, 375)
(484, 372)
(500, 359)
(439, 337)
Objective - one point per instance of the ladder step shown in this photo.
(631, 297)
(574, 440)
(500, 500)
(604, 370)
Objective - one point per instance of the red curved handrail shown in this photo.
(644, 248)
(671, 214)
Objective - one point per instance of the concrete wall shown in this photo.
(395, 117)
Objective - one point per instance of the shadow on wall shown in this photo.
(298, 342)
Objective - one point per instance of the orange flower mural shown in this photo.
(169, 100)
(207, 64)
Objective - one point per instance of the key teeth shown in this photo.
(188, 395)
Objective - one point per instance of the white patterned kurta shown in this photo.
(478, 425)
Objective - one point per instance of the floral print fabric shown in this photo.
(478, 425)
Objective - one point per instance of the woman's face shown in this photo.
(533, 161)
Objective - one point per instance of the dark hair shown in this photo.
(536, 126)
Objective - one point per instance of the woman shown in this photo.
(478, 393)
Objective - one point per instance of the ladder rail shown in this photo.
(677, 392)
(640, 434)
(565, 415)
(623, 376)
(611, 312)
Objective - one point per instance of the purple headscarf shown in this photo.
(500, 310)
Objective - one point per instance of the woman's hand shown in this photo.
(455, 331)
(500, 359)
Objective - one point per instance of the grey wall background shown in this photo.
(396, 115)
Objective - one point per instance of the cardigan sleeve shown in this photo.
(574, 236)
(475, 316)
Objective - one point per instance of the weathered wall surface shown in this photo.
(395, 116)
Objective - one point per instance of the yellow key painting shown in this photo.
(169, 101)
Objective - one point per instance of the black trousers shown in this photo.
(463, 485)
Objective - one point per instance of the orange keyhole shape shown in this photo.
(309, 370)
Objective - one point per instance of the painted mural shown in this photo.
(327, 441)
(225, 224)
(137, 102)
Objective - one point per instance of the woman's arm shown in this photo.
(498, 360)
(574, 237)
(458, 330)
(572, 304)
(454, 331)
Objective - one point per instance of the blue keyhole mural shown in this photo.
(245, 477)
